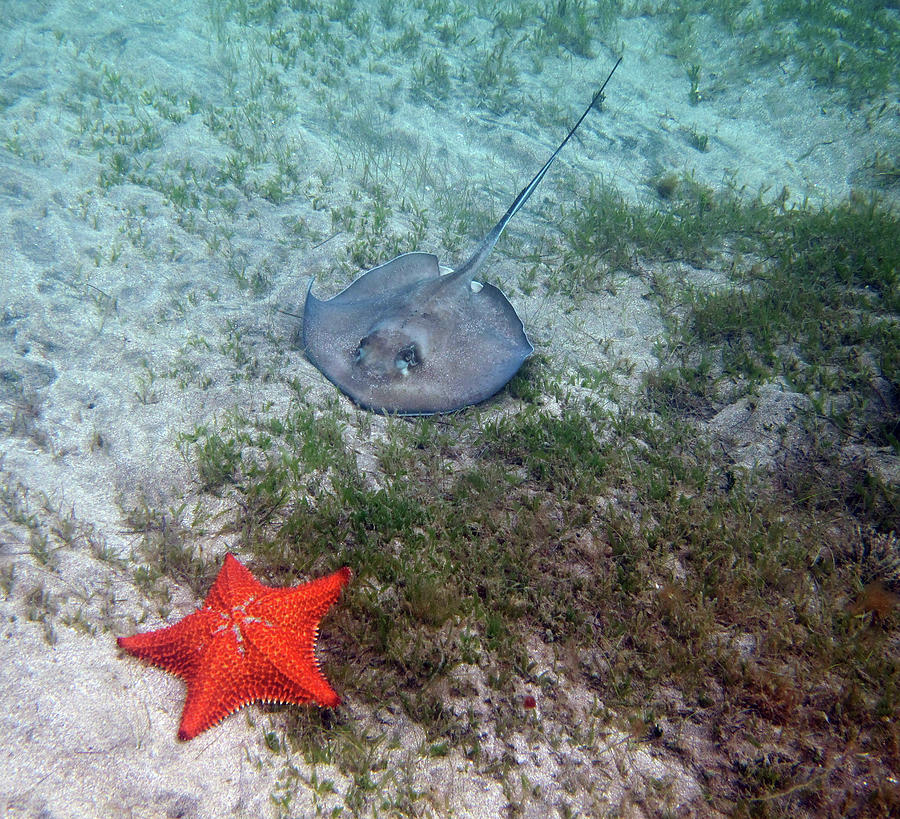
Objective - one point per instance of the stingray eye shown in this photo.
(407, 357)
(360, 353)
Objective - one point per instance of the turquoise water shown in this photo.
(230, 150)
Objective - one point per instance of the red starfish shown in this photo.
(248, 642)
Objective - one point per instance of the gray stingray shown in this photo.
(407, 340)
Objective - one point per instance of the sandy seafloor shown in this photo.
(120, 295)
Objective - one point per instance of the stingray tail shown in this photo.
(470, 268)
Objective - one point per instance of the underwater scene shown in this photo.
(449, 409)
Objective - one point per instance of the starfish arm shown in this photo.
(289, 670)
(301, 607)
(176, 648)
(234, 584)
(219, 687)
(284, 629)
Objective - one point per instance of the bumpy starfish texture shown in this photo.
(248, 643)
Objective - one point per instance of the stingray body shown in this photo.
(405, 339)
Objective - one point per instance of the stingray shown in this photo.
(405, 339)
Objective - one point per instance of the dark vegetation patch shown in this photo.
(812, 298)
(814, 305)
(618, 543)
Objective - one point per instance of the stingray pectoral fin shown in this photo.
(326, 341)
(493, 346)
(399, 274)
(494, 310)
